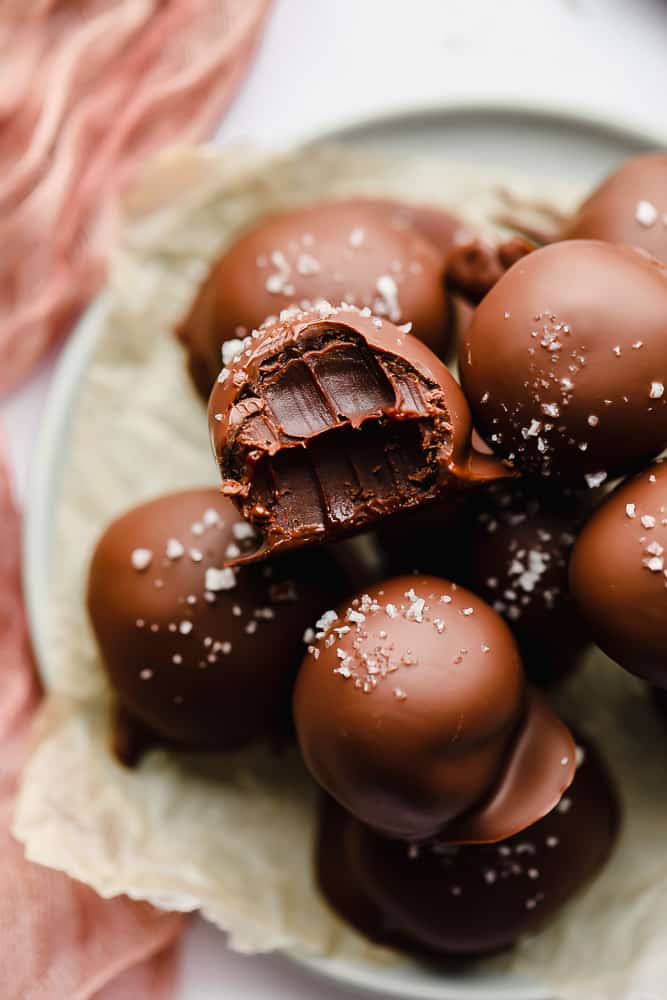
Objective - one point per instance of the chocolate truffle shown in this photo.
(510, 544)
(199, 655)
(618, 574)
(328, 421)
(439, 226)
(630, 206)
(516, 557)
(565, 362)
(436, 899)
(336, 251)
(410, 710)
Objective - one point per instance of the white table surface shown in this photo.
(325, 62)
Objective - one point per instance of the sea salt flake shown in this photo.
(307, 265)
(231, 350)
(657, 390)
(655, 564)
(174, 549)
(400, 694)
(141, 559)
(185, 627)
(646, 214)
(357, 237)
(388, 303)
(326, 621)
(219, 579)
(630, 510)
(647, 521)
(416, 610)
(595, 479)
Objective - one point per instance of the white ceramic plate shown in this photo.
(527, 140)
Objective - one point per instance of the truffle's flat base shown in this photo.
(595, 950)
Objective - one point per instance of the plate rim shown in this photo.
(46, 470)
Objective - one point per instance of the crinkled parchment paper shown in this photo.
(232, 836)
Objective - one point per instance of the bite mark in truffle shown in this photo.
(329, 423)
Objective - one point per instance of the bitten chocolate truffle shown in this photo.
(436, 899)
(410, 710)
(630, 206)
(565, 362)
(328, 421)
(338, 251)
(199, 655)
(618, 574)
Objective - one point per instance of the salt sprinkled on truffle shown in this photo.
(242, 531)
(231, 350)
(388, 303)
(357, 237)
(185, 627)
(595, 479)
(141, 559)
(220, 579)
(657, 390)
(174, 549)
(646, 214)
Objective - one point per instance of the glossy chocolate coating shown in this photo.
(472, 269)
(510, 544)
(336, 251)
(630, 206)
(565, 362)
(618, 577)
(436, 899)
(328, 421)
(198, 655)
(440, 227)
(516, 557)
(410, 710)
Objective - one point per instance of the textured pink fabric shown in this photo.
(58, 939)
(87, 90)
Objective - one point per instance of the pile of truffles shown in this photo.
(458, 811)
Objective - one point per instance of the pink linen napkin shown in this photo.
(87, 90)
(58, 939)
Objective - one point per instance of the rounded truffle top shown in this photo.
(630, 206)
(337, 251)
(196, 652)
(407, 704)
(618, 574)
(564, 363)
